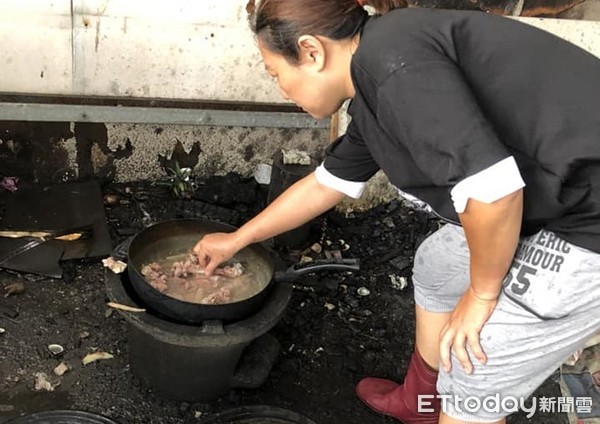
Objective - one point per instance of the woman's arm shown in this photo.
(302, 202)
(492, 232)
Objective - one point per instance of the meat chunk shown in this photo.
(222, 295)
(231, 271)
(154, 275)
(187, 267)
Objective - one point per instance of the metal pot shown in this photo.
(178, 236)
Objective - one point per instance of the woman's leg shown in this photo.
(548, 308)
(440, 277)
(428, 328)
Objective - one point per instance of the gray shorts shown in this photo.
(549, 306)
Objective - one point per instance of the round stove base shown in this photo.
(199, 363)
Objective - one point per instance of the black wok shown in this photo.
(178, 236)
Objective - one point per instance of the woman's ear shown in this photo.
(312, 52)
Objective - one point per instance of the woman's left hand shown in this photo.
(463, 329)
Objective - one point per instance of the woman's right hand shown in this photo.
(214, 249)
(300, 203)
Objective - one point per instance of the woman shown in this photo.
(492, 125)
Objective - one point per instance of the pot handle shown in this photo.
(300, 269)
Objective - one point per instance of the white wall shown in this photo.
(585, 34)
(175, 49)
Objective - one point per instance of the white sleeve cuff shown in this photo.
(349, 188)
(489, 185)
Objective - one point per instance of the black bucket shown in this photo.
(62, 417)
(283, 176)
(258, 414)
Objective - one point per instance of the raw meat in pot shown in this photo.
(155, 276)
(185, 279)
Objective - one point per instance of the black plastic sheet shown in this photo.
(55, 208)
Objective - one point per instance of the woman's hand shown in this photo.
(300, 203)
(214, 249)
(463, 328)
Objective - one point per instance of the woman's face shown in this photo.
(303, 84)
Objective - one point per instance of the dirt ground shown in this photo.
(330, 335)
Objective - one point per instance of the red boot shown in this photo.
(401, 401)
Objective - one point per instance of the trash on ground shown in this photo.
(42, 383)
(114, 265)
(61, 369)
(56, 349)
(14, 288)
(96, 356)
(126, 308)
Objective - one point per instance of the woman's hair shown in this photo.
(279, 23)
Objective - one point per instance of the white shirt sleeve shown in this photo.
(349, 188)
(489, 185)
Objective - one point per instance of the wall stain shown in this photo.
(249, 153)
(180, 157)
(89, 135)
(30, 150)
(97, 38)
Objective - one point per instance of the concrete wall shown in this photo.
(144, 49)
(55, 152)
(176, 49)
(210, 150)
(587, 10)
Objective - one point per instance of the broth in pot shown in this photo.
(179, 275)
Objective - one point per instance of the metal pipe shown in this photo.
(150, 115)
